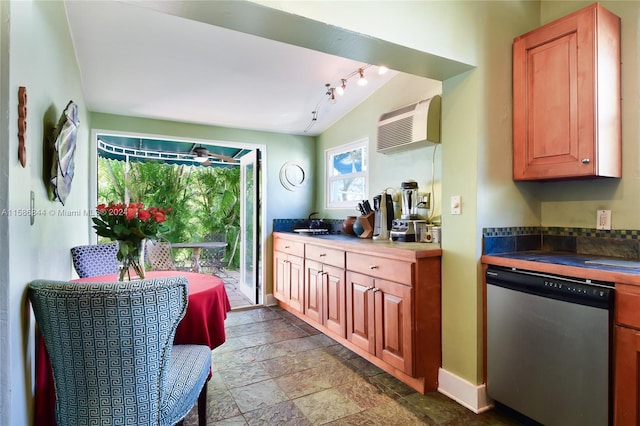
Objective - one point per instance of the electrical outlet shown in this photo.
(456, 204)
(426, 199)
(604, 220)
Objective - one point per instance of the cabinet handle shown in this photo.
(287, 246)
(368, 288)
(323, 254)
(375, 290)
(586, 161)
(373, 267)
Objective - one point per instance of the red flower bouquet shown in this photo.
(130, 224)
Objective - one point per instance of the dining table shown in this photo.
(197, 246)
(203, 324)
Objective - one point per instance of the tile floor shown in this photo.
(274, 369)
(236, 298)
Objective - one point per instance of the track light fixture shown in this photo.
(331, 92)
(362, 81)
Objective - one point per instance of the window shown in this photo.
(346, 174)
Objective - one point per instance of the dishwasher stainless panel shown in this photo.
(549, 358)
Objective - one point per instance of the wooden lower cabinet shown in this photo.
(626, 405)
(627, 377)
(378, 313)
(288, 274)
(380, 300)
(324, 300)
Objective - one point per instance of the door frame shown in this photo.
(262, 192)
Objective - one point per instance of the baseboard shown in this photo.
(271, 300)
(473, 397)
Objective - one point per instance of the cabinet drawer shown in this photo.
(380, 267)
(325, 255)
(288, 246)
(627, 305)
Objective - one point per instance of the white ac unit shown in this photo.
(413, 126)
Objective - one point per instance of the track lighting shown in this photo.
(331, 92)
(362, 81)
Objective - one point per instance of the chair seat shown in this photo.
(188, 370)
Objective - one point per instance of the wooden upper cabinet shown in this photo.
(566, 98)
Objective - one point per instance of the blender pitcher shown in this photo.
(409, 199)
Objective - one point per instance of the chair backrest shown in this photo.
(159, 255)
(213, 254)
(94, 260)
(109, 346)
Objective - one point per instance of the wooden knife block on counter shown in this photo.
(367, 222)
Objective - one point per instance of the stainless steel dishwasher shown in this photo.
(549, 346)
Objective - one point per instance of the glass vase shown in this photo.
(131, 258)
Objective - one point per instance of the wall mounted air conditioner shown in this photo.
(413, 126)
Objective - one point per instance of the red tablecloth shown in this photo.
(203, 324)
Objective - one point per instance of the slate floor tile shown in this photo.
(275, 370)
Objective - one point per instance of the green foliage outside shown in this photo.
(203, 200)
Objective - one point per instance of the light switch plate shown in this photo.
(604, 220)
(456, 204)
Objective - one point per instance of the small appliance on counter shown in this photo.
(383, 219)
(405, 230)
(409, 199)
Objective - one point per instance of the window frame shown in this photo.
(329, 178)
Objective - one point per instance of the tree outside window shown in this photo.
(346, 174)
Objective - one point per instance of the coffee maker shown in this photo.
(383, 218)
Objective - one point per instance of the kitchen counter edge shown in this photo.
(571, 271)
(366, 245)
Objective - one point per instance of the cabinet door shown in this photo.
(565, 115)
(281, 273)
(313, 291)
(334, 310)
(627, 377)
(360, 314)
(295, 290)
(393, 324)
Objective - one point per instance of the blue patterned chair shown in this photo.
(112, 353)
(94, 260)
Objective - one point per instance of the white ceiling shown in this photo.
(140, 62)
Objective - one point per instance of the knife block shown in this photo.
(367, 222)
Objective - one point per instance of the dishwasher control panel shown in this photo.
(586, 292)
(570, 287)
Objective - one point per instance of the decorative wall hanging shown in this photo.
(292, 176)
(22, 125)
(63, 165)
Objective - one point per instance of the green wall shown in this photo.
(385, 170)
(37, 53)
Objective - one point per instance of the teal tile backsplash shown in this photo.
(620, 243)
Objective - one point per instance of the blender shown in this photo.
(405, 229)
(409, 199)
